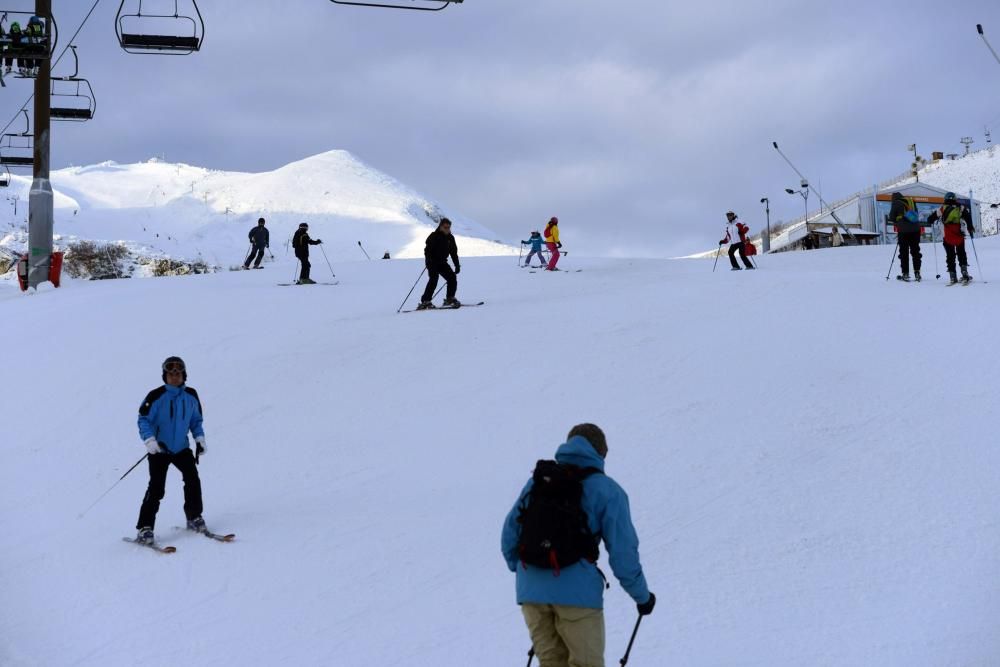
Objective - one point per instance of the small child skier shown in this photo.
(536, 248)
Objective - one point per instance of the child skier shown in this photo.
(952, 215)
(536, 248)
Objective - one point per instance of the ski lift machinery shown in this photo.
(419, 5)
(17, 149)
(72, 97)
(134, 28)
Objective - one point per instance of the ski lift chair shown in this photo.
(420, 5)
(72, 97)
(133, 30)
(23, 51)
(17, 149)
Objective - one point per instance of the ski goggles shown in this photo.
(173, 367)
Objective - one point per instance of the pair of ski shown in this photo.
(962, 282)
(558, 271)
(164, 549)
(307, 285)
(464, 305)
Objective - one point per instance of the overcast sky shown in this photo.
(638, 123)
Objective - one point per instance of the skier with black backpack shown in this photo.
(551, 541)
(906, 218)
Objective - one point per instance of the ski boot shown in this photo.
(197, 524)
(751, 268)
(426, 305)
(736, 268)
(966, 278)
(145, 536)
(952, 278)
(905, 277)
(916, 276)
(306, 281)
(451, 303)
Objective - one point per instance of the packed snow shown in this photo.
(158, 209)
(809, 451)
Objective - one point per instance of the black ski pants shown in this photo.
(158, 466)
(950, 251)
(743, 255)
(304, 260)
(256, 256)
(443, 270)
(909, 244)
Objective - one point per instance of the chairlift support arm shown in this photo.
(979, 28)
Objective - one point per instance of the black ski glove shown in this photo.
(559, 245)
(646, 608)
(458, 269)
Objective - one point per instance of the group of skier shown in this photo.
(552, 243)
(952, 215)
(23, 46)
(905, 218)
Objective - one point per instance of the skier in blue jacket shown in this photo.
(536, 248)
(166, 416)
(563, 608)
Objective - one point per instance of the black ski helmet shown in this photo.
(950, 197)
(173, 360)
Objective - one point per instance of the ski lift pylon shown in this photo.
(135, 29)
(72, 97)
(419, 5)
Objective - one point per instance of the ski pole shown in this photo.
(937, 271)
(246, 260)
(327, 260)
(822, 201)
(439, 291)
(628, 651)
(364, 251)
(717, 258)
(893, 259)
(411, 289)
(520, 254)
(979, 28)
(976, 253)
(144, 457)
(531, 655)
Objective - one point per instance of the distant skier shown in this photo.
(836, 239)
(300, 244)
(952, 215)
(552, 243)
(386, 255)
(906, 218)
(166, 416)
(260, 239)
(736, 236)
(15, 50)
(441, 245)
(536, 249)
(551, 540)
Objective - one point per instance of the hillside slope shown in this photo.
(186, 212)
(810, 454)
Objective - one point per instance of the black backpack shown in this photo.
(554, 529)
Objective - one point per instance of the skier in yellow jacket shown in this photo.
(552, 243)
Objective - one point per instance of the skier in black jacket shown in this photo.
(260, 238)
(441, 245)
(301, 243)
(905, 217)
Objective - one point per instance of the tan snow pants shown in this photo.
(566, 636)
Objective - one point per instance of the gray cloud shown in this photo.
(636, 123)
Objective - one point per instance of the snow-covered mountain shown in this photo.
(186, 212)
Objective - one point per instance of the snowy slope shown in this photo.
(810, 453)
(187, 212)
(978, 172)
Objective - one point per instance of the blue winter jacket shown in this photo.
(581, 584)
(168, 413)
(536, 243)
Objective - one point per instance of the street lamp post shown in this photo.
(804, 193)
(767, 211)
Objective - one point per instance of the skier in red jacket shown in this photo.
(736, 236)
